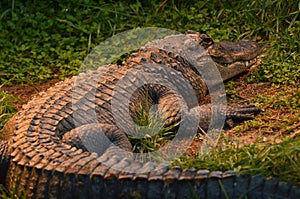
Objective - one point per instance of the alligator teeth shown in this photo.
(247, 63)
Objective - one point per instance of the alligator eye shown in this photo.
(207, 40)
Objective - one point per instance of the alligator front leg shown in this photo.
(236, 114)
(232, 114)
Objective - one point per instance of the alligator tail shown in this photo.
(4, 160)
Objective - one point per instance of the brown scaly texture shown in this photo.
(46, 157)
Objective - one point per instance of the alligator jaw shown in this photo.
(231, 70)
(247, 64)
(233, 58)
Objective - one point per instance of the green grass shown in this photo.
(150, 134)
(12, 194)
(278, 160)
(42, 40)
(45, 40)
(7, 108)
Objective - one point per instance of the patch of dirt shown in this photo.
(271, 126)
(26, 92)
(275, 123)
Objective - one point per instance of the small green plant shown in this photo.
(12, 194)
(149, 133)
(4, 193)
(7, 108)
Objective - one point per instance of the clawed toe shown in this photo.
(244, 109)
(236, 114)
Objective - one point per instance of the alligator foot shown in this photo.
(236, 114)
(233, 114)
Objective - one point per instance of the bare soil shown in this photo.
(276, 123)
(26, 92)
(273, 124)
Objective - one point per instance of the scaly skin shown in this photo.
(45, 155)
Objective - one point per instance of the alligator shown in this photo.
(44, 150)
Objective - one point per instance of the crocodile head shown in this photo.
(231, 58)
